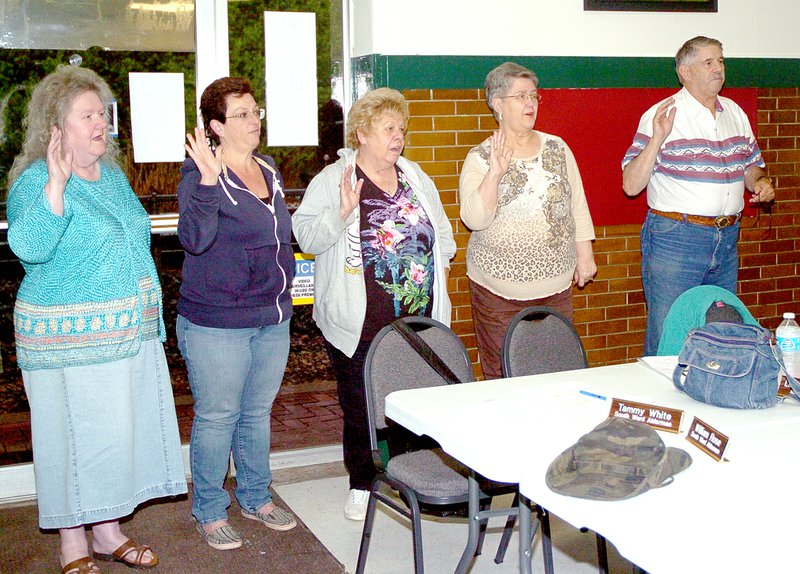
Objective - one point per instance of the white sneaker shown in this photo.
(356, 506)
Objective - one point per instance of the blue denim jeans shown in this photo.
(235, 375)
(676, 256)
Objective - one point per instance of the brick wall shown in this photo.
(610, 312)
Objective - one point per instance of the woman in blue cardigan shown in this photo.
(88, 328)
(234, 308)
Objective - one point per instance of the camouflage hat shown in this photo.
(619, 459)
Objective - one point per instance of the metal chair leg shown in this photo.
(508, 531)
(416, 533)
(602, 555)
(547, 543)
(366, 534)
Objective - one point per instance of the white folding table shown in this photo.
(715, 517)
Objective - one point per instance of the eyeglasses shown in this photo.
(258, 113)
(535, 97)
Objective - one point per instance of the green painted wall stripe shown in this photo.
(459, 72)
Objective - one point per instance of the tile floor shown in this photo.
(316, 494)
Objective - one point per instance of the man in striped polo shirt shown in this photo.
(696, 154)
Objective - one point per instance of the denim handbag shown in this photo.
(730, 365)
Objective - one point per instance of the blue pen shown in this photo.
(596, 396)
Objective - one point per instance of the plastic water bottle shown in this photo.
(788, 335)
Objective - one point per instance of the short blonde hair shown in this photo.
(49, 105)
(368, 108)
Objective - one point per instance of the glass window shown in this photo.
(298, 165)
(114, 38)
(111, 37)
(147, 25)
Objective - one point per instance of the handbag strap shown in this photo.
(423, 350)
(789, 378)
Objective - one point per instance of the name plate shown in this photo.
(660, 418)
(708, 439)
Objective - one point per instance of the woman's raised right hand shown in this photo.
(348, 197)
(59, 170)
(59, 161)
(206, 159)
(499, 154)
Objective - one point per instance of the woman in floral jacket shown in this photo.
(383, 244)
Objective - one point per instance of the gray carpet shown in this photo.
(166, 525)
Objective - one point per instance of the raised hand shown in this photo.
(206, 159)
(59, 161)
(636, 174)
(499, 155)
(59, 170)
(348, 197)
(663, 120)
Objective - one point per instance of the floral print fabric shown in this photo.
(397, 250)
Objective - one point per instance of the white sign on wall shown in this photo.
(290, 54)
(158, 117)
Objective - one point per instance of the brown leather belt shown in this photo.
(720, 222)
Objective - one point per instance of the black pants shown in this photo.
(349, 373)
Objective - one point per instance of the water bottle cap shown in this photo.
(788, 315)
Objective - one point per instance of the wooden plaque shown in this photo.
(660, 418)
